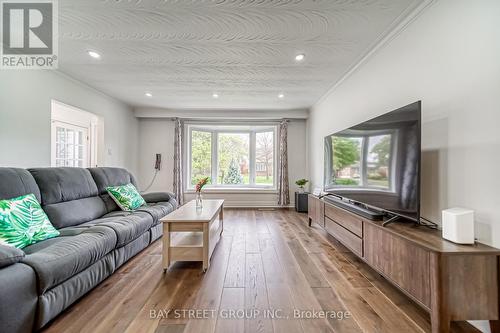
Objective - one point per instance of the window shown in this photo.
(74, 136)
(364, 161)
(264, 157)
(201, 155)
(70, 145)
(232, 156)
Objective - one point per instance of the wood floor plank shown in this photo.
(252, 240)
(185, 296)
(256, 298)
(171, 328)
(343, 321)
(260, 223)
(233, 299)
(235, 275)
(390, 313)
(303, 296)
(117, 320)
(279, 293)
(311, 272)
(161, 299)
(355, 278)
(366, 317)
(303, 233)
(210, 293)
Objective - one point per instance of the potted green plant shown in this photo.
(301, 183)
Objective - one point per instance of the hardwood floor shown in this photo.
(267, 259)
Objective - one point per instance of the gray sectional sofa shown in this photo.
(40, 281)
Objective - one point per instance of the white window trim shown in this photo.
(228, 188)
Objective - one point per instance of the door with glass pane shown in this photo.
(70, 145)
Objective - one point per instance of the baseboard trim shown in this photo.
(257, 207)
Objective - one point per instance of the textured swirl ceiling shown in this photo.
(185, 50)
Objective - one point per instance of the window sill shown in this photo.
(235, 190)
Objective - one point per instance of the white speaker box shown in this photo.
(458, 225)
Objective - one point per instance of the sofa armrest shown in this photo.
(155, 197)
(10, 255)
(18, 298)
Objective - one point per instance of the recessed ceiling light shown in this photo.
(300, 57)
(281, 96)
(148, 94)
(94, 54)
(215, 95)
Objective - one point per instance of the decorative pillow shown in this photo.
(23, 222)
(126, 197)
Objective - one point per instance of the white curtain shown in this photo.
(178, 172)
(283, 191)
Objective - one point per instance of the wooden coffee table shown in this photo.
(191, 234)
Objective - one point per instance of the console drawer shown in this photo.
(352, 223)
(350, 240)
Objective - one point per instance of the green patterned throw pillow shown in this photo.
(126, 197)
(23, 222)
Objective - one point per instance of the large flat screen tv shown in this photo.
(377, 163)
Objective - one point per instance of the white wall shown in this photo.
(450, 59)
(156, 135)
(25, 103)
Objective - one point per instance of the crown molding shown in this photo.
(221, 114)
(399, 25)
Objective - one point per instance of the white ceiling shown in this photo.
(183, 51)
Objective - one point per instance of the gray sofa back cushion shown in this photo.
(105, 177)
(16, 182)
(69, 195)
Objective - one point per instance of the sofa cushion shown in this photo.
(55, 300)
(71, 213)
(69, 195)
(17, 182)
(127, 225)
(105, 177)
(158, 210)
(64, 184)
(58, 259)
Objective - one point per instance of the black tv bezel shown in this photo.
(329, 190)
